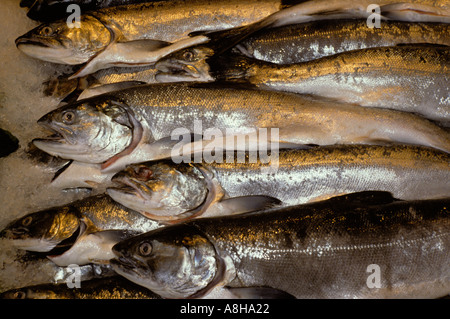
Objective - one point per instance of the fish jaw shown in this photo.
(159, 191)
(189, 65)
(40, 50)
(60, 143)
(32, 244)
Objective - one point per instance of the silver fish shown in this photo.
(404, 78)
(328, 249)
(165, 190)
(150, 122)
(139, 33)
(79, 233)
(308, 41)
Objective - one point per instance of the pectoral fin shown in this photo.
(414, 12)
(259, 293)
(246, 204)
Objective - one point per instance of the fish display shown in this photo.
(317, 250)
(167, 190)
(131, 126)
(303, 153)
(79, 233)
(405, 78)
(105, 288)
(139, 33)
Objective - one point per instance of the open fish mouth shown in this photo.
(128, 187)
(169, 69)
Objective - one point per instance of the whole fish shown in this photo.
(410, 78)
(361, 245)
(150, 122)
(164, 189)
(139, 33)
(105, 288)
(79, 233)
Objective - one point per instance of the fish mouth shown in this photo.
(129, 192)
(175, 71)
(27, 41)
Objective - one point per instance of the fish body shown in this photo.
(49, 10)
(138, 33)
(319, 250)
(309, 41)
(168, 189)
(150, 122)
(405, 78)
(106, 288)
(79, 233)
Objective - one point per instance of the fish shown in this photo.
(409, 78)
(140, 34)
(360, 245)
(309, 41)
(152, 122)
(137, 34)
(79, 233)
(51, 10)
(115, 287)
(164, 189)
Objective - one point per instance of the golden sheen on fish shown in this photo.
(361, 245)
(150, 122)
(308, 41)
(137, 33)
(106, 288)
(165, 190)
(79, 233)
(405, 78)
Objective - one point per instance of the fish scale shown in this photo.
(318, 250)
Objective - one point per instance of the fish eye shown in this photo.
(143, 173)
(19, 295)
(145, 249)
(188, 56)
(68, 117)
(47, 31)
(27, 221)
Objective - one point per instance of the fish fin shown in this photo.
(246, 204)
(259, 293)
(414, 12)
(366, 198)
(129, 53)
(107, 88)
(222, 40)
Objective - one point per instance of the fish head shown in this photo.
(161, 189)
(57, 42)
(42, 231)
(188, 65)
(30, 293)
(174, 262)
(87, 131)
